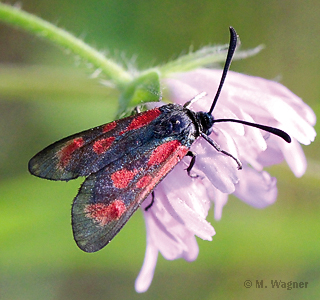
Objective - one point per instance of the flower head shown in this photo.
(182, 202)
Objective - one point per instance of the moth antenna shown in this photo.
(231, 50)
(275, 131)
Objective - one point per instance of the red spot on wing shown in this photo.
(162, 152)
(65, 153)
(122, 178)
(109, 126)
(103, 145)
(143, 119)
(144, 181)
(172, 160)
(105, 213)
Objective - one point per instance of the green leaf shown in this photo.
(205, 56)
(143, 89)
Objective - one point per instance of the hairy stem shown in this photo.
(35, 25)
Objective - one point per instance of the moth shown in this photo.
(123, 161)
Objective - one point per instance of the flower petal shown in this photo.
(145, 276)
(220, 200)
(257, 189)
(295, 157)
(220, 169)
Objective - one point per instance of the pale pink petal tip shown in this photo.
(145, 276)
(260, 191)
(220, 200)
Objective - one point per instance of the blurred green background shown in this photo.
(45, 94)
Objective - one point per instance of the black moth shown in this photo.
(123, 161)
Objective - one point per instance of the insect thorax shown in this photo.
(176, 122)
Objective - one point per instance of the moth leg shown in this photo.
(151, 203)
(192, 162)
(137, 110)
(217, 147)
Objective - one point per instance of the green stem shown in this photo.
(44, 29)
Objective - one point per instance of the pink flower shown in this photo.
(181, 202)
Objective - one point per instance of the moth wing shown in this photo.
(88, 151)
(108, 198)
